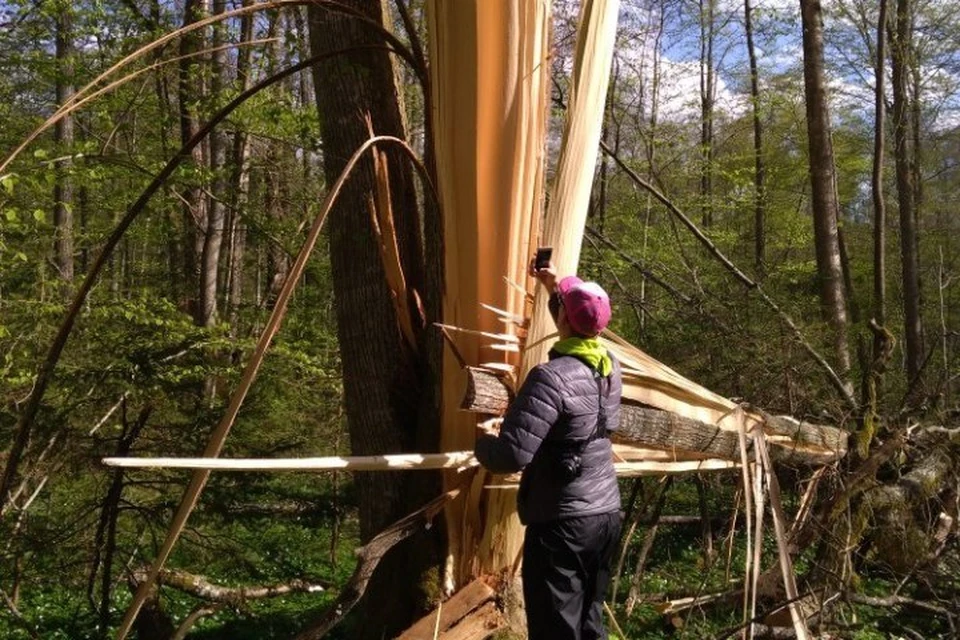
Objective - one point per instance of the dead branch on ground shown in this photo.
(369, 557)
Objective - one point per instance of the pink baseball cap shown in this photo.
(586, 304)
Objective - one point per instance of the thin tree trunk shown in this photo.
(707, 95)
(906, 191)
(823, 181)
(759, 166)
(190, 92)
(106, 536)
(64, 136)
(599, 208)
(916, 160)
(634, 594)
(213, 231)
(278, 261)
(651, 153)
(876, 180)
(240, 191)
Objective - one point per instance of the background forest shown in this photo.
(833, 301)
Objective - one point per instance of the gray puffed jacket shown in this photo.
(556, 412)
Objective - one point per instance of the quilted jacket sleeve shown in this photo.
(527, 423)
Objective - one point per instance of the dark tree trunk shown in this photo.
(906, 191)
(381, 375)
(823, 181)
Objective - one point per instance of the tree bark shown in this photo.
(382, 377)
(823, 184)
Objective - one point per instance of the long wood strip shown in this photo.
(402, 462)
(399, 462)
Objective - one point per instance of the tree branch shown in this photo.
(841, 388)
(235, 597)
(369, 557)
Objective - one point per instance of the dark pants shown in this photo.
(566, 570)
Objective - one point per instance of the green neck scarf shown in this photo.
(589, 350)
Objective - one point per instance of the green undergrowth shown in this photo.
(227, 549)
(257, 530)
(677, 567)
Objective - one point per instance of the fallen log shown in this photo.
(790, 440)
(451, 612)
(479, 625)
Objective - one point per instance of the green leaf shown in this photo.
(11, 215)
(41, 154)
(39, 215)
(7, 182)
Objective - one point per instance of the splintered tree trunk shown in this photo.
(906, 190)
(822, 182)
(382, 377)
(489, 65)
(489, 81)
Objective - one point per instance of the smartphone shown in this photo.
(544, 254)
